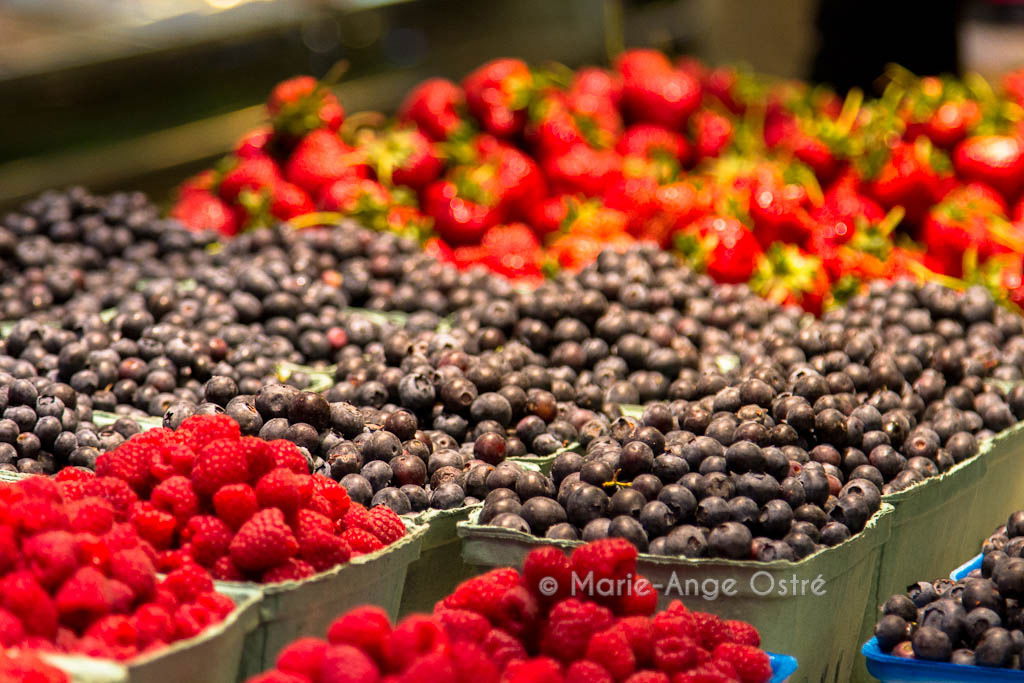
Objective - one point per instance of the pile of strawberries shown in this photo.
(76, 578)
(785, 186)
(510, 626)
(242, 508)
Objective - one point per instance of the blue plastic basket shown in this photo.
(783, 666)
(966, 568)
(891, 669)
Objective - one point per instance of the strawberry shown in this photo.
(722, 246)
(202, 210)
(780, 214)
(600, 84)
(256, 174)
(462, 206)
(914, 176)
(654, 91)
(405, 157)
(791, 277)
(582, 169)
(997, 160)
(512, 250)
(712, 133)
(497, 94)
(516, 173)
(553, 127)
(290, 200)
(255, 143)
(321, 158)
(434, 106)
(651, 141)
(360, 197)
(302, 104)
(842, 206)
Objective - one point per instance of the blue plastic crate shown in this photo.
(966, 568)
(890, 669)
(783, 666)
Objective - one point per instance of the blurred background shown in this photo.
(136, 94)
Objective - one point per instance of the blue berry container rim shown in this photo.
(783, 666)
(892, 669)
(966, 568)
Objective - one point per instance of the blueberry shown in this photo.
(730, 540)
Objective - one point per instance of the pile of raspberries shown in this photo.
(508, 626)
(76, 579)
(243, 508)
(20, 666)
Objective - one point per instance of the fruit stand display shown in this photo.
(689, 323)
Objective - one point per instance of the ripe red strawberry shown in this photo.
(462, 209)
(434, 106)
(218, 464)
(654, 91)
(321, 158)
(205, 211)
(584, 170)
(255, 175)
(263, 542)
(405, 157)
(289, 200)
(520, 179)
(712, 134)
(791, 277)
(654, 142)
(301, 104)
(497, 94)
(600, 84)
(723, 246)
(235, 503)
(358, 197)
(997, 160)
(512, 250)
(255, 143)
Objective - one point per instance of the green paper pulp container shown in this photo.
(795, 605)
(440, 567)
(213, 656)
(1001, 487)
(293, 609)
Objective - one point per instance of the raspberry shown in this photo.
(116, 630)
(752, 664)
(503, 648)
(36, 515)
(154, 624)
(169, 560)
(188, 581)
(587, 672)
(517, 611)
(218, 464)
(735, 631)
(287, 455)
(674, 624)
(11, 630)
(436, 667)
(94, 515)
(22, 595)
(120, 596)
(209, 537)
(546, 564)
(537, 670)
(235, 504)
(304, 657)
(281, 488)
(610, 558)
(640, 633)
(178, 457)
(219, 604)
(130, 463)
(385, 524)
(482, 594)
(51, 556)
(263, 542)
(323, 550)
(415, 636)
(122, 536)
(641, 599)
(463, 625)
(115, 491)
(259, 457)
(176, 496)
(678, 653)
(335, 497)
(93, 551)
(709, 629)
(361, 542)
(190, 620)
(308, 522)
(9, 552)
(474, 664)
(155, 526)
(345, 664)
(27, 666)
(611, 649)
(648, 677)
(40, 487)
(70, 474)
(356, 517)
(275, 676)
(83, 598)
(364, 627)
(224, 569)
(292, 569)
(198, 431)
(569, 627)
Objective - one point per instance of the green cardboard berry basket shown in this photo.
(214, 656)
(440, 567)
(1002, 485)
(800, 619)
(292, 609)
